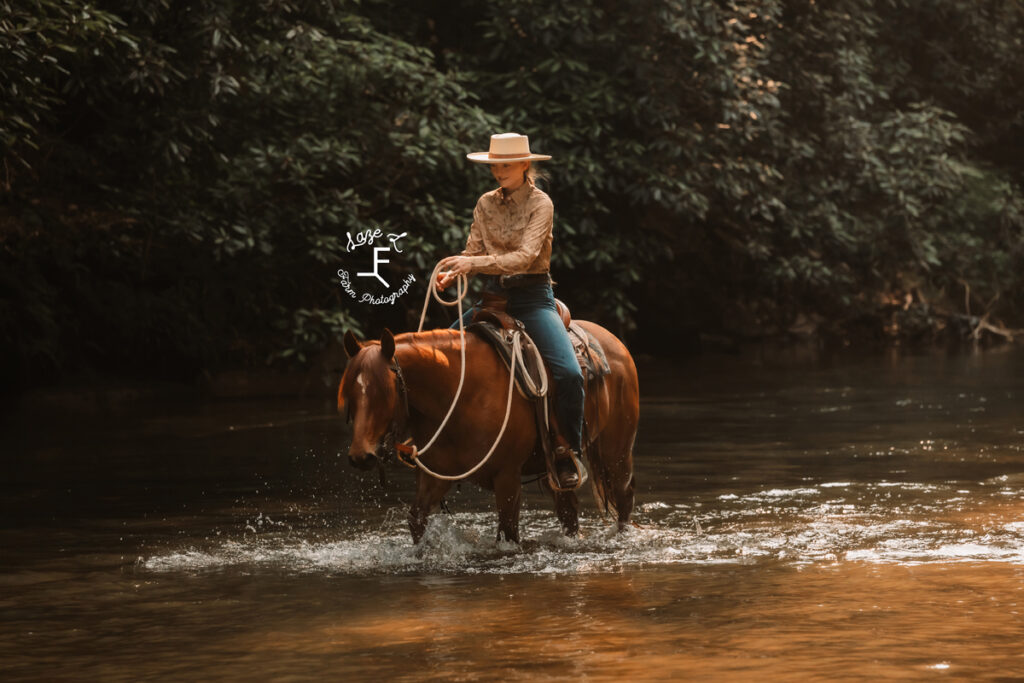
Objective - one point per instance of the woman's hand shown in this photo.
(451, 268)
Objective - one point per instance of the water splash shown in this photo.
(882, 522)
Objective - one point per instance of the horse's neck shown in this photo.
(431, 363)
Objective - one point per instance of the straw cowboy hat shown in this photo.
(507, 148)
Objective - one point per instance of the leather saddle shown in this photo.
(495, 326)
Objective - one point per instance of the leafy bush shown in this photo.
(180, 179)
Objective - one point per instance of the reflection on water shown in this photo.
(863, 520)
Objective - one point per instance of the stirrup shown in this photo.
(581, 471)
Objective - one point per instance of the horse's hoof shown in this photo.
(508, 546)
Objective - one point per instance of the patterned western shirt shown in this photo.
(511, 235)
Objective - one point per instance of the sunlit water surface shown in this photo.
(853, 519)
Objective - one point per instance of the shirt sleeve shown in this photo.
(535, 234)
(475, 241)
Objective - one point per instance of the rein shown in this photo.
(407, 448)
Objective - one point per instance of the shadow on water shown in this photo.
(796, 520)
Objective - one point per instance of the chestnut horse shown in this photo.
(405, 385)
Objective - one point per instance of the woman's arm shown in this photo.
(453, 266)
(475, 241)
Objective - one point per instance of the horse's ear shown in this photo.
(352, 344)
(387, 345)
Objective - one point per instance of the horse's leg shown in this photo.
(508, 492)
(625, 499)
(429, 492)
(567, 507)
(621, 483)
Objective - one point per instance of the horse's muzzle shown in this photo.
(362, 461)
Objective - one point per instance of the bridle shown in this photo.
(398, 432)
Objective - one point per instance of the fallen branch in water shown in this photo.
(985, 326)
(976, 326)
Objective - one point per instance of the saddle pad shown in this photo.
(589, 352)
(502, 343)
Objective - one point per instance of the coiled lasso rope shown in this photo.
(461, 289)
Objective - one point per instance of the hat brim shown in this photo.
(486, 158)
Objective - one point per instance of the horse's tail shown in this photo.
(613, 488)
(600, 479)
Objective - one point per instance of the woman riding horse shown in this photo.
(433, 391)
(510, 243)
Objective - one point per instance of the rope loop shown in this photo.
(461, 289)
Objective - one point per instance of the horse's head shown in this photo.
(372, 395)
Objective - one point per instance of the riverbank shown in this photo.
(97, 393)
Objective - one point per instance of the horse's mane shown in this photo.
(440, 339)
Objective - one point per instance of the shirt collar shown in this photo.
(518, 195)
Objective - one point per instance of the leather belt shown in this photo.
(524, 280)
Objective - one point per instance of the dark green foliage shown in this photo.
(230, 152)
(179, 177)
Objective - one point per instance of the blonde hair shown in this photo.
(532, 174)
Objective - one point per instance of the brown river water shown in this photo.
(850, 519)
